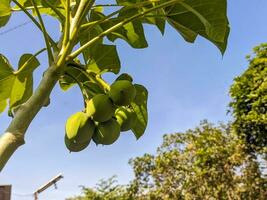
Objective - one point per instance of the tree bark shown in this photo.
(13, 138)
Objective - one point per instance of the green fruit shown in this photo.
(107, 132)
(100, 107)
(126, 117)
(74, 146)
(79, 128)
(122, 92)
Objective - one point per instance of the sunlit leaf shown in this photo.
(5, 12)
(140, 107)
(17, 86)
(104, 58)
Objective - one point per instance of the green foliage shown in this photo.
(105, 190)
(205, 18)
(87, 49)
(16, 86)
(207, 162)
(249, 101)
(139, 106)
(104, 58)
(126, 117)
(5, 12)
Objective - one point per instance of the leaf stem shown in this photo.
(85, 96)
(67, 24)
(34, 21)
(73, 29)
(125, 8)
(97, 78)
(45, 34)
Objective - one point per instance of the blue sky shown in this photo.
(187, 83)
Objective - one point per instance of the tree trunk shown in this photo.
(14, 135)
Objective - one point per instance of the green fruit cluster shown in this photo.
(105, 116)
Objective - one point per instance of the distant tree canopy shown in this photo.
(207, 162)
(249, 104)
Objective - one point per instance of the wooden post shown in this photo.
(5, 192)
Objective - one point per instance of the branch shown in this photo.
(85, 96)
(67, 24)
(120, 24)
(45, 34)
(34, 21)
(97, 78)
(54, 8)
(74, 27)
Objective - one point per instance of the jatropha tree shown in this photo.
(84, 24)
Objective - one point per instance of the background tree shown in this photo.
(84, 24)
(105, 189)
(207, 162)
(249, 101)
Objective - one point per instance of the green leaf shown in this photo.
(104, 58)
(90, 34)
(85, 80)
(157, 21)
(125, 76)
(3, 105)
(67, 82)
(140, 107)
(5, 12)
(44, 7)
(153, 19)
(28, 63)
(6, 78)
(17, 86)
(200, 17)
(92, 89)
(132, 33)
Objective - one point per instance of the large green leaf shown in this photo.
(132, 32)
(17, 86)
(3, 105)
(153, 19)
(90, 34)
(45, 7)
(201, 17)
(6, 78)
(85, 80)
(104, 58)
(140, 107)
(5, 12)
(72, 76)
(189, 17)
(99, 57)
(92, 89)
